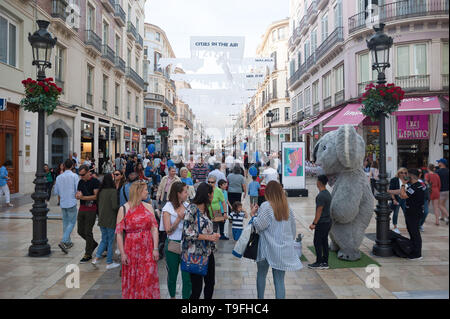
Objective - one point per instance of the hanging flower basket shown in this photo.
(40, 95)
(163, 131)
(381, 99)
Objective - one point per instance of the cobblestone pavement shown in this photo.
(25, 277)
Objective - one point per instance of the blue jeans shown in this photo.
(278, 280)
(402, 204)
(69, 217)
(425, 213)
(106, 243)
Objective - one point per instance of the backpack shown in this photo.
(401, 246)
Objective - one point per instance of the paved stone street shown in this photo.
(25, 277)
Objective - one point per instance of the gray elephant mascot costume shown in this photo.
(341, 153)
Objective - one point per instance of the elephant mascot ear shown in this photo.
(350, 147)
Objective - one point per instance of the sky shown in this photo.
(181, 19)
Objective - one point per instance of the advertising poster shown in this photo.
(293, 165)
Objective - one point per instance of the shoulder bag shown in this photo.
(251, 251)
(174, 246)
(192, 263)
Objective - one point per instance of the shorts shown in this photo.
(236, 233)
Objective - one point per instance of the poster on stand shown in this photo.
(293, 165)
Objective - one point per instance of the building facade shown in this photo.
(330, 66)
(272, 94)
(98, 62)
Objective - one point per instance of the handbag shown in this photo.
(251, 251)
(174, 247)
(218, 217)
(192, 263)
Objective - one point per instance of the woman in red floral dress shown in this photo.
(140, 254)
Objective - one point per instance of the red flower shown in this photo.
(59, 90)
(40, 83)
(360, 100)
(24, 82)
(46, 89)
(382, 93)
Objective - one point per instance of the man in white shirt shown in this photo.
(145, 161)
(66, 187)
(211, 160)
(270, 173)
(229, 162)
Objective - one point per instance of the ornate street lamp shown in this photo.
(164, 138)
(42, 44)
(379, 45)
(270, 116)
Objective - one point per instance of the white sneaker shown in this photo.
(95, 262)
(112, 266)
(9, 205)
(421, 229)
(396, 230)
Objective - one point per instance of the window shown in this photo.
(8, 41)
(299, 55)
(129, 58)
(287, 115)
(365, 67)
(129, 12)
(291, 67)
(136, 65)
(128, 105)
(117, 99)
(136, 105)
(274, 57)
(324, 26)
(118, 46)
(105, 39)
(90, 19)
(90, 80)
(306, 47)
(157, 57)
(315, 93)
(300, 102)
(338, 14)
(307, 96)
(339, 78)
(137, 24)
(281, 33)
(59, 63)
(444, 55)
(313, 40)
(158, 37)
(274, 35)
(417, 65)
(105, 93)
(276, 115)
(274, 88)
(326, 89)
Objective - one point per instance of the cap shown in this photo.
(443, 161)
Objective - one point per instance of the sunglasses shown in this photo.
(211, 182)
(403, 172)
(82, 175)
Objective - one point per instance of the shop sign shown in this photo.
(412, 127)
(135, 137)
(126, 134)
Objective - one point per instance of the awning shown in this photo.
(310, 127)
(348, 115)
(419, 106)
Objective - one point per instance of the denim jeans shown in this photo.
(69, 217)
(106, 243)
(402, 204)
(425, 212)
(278, 280)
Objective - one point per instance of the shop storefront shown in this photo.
(412, 141)
(445, 139)
(87, 140)
(135, 141)
(9, 142)
(127, 139)
(103, 145)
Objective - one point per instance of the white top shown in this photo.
(176, 235)
(229, 161)
(212, 160)
(270, 174)
(145, 162)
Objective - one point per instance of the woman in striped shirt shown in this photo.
(275, 224)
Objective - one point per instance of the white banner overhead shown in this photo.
(217, 46)
(222, 81)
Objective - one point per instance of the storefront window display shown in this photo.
(87, 140)
(413, 141)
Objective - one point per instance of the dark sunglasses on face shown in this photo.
(82, 175)
(211, 182)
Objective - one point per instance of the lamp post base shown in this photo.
(382, 251)
(39, 250)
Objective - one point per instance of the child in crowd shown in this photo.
(237, 217)
(223, 185)
(253, 191)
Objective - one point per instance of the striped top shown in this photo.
(238, 219)
(276, 239)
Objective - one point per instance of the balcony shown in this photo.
(170, 105)
(362, 86)
(93, 41)
(312, 12)
(139, 42)
(131, 31)
(316, 108)
(327, 47)
(311, 61)
(154, 97)
(119, 64)
(89, 98)
(104, 105)
(444, 81)
(413, 82)
(303, 26)
(132, 75)
(297, 75)
(108, 55)
(59, 16)
(327, 102)
(339, 97)
(399, 10)
(109, 5)
(119, 15)
(321, 4)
